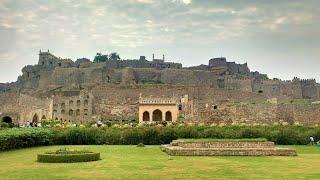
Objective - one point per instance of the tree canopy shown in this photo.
(105, 57)
(114, 56)
(100, 58)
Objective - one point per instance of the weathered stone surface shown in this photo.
(234, 96)
(181, 148)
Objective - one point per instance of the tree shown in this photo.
(100, 58)
(114, 56)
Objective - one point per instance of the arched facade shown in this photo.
(158, 109)
(76, 107)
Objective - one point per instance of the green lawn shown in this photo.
(130, 162)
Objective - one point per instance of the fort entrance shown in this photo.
(158, 109)
(7, 119)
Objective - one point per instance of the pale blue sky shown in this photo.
(280, 38)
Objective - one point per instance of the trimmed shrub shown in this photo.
(68, 158)
(140, 145)
(27, 137)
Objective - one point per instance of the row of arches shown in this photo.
(71, 112)
(71, 103)
(35, 119)
(157, 116)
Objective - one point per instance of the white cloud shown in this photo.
(145, 1)
(186, 1)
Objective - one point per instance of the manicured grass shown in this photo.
(131, 162)
(225, 140)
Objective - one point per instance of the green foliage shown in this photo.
(104, 57)
(27, 137)
(264, 76)
(140, 145)
(100, 58)
(66, 150)
(68, 157)
(4, 125)
(114, 56)
(151, 135)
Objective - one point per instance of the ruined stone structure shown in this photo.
(221, 91)
(225, 148)
(73, 107)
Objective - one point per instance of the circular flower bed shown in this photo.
(68, 156)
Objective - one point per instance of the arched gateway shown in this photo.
(7, 119)
(158, 109)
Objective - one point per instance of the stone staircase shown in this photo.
(225, 148)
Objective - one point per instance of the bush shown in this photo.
(140, 145)
(150, 135)
(68, 158)
(27, 137)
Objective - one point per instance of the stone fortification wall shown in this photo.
(30, 107)
(243, 84)
(267, 87)
(142, 63)
(266, 113)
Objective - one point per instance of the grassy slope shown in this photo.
(149, 162)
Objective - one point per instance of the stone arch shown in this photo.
(168, 116)
(44, 117)
(35, 120)
(7, 119)
(78, 112)
(78, 103)
(157, 115)
(146, 116)
(70, 103)
(63, 111)
(70, 112)
(86, 102)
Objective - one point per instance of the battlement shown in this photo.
(142, 63)
(270, 81)
(308, 81)
(158, 101)
(238, 78)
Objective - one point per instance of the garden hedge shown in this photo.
(150, 135)
(68, 158)
(26, 137)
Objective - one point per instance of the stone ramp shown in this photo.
(225, 148)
